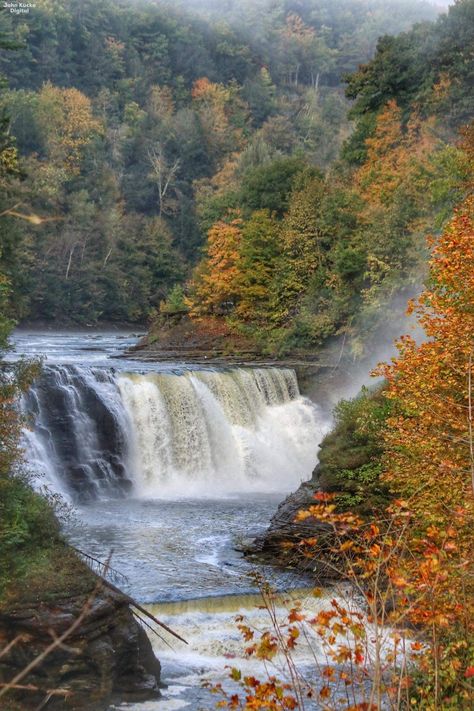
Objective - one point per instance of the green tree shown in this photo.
(269, 187)
(303, 245)
(257, 264)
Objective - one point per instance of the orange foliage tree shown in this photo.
(396, 156)
(429, 441)
(214, 286)
(429, 458)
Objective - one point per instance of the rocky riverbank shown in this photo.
(349, 468)
(105, 654)
(279, 545)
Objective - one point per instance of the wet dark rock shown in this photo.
(107, 658)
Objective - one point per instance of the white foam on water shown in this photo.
(170, 435)
(215, 644)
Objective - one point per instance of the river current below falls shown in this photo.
(170, 468)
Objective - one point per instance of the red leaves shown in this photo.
(399, 581)
(270, 695)
(293, 634)
(246, 632)
(323, 618)
(325, 692)
(295, 615)
(267, 647)
(323, 496)
(309, 542)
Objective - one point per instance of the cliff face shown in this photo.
(107, 657)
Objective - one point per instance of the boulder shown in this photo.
(107, 657)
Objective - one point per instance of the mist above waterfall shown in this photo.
(101, 434)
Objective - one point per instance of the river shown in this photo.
(170, 467)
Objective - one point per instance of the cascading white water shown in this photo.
(205, 433)
(79, 430)
(161, 434)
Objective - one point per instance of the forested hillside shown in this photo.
(296, 255)
(142, 126)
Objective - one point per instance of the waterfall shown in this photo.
(97, 433)
(78, 434)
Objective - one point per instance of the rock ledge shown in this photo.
(107, 658)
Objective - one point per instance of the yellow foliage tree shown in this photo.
(67, 124)
(215, 105)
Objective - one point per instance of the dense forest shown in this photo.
(143, 130)
(296, 254)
